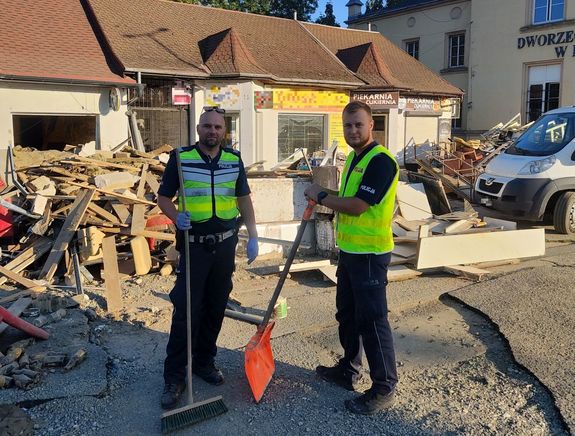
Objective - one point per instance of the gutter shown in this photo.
(69, 82)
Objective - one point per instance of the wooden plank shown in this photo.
(138, 219)
(469, 272)
(142, 183)
(458, 226)
(412, 226)
(141, 255)
(68, 229)
(405, 250)
(396, 273)
(16, 309)
(148, 234)
(38, 248)
(412, 201)
(152, 182)
(295, 267)
(103, 213)
(112, 275)
(21, 280)
(114, 194)
(479, 247)
(495, 222)
(122, 211)
(329, 271)
(99, 163)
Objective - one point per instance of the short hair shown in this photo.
(354, 106)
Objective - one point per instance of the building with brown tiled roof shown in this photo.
(283, 83)
(56, 78)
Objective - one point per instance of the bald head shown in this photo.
(211, 129)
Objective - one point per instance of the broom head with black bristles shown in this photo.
(192, 414)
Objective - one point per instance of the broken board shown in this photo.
(413, 202)
(449, 250)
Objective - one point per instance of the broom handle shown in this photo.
(306, 216)
(182, 192)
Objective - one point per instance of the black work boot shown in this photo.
(337, 375)
(370, 402)
(209, 373)
(171, 395)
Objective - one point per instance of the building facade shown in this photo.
(512, 56)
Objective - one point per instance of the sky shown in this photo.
(339, 10)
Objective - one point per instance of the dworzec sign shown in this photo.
(560, 40)
(377, 100)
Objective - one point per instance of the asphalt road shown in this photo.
(534, 309)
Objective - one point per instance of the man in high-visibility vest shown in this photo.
(364, 208)
(217, 191)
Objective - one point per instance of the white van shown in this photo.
(535, 176)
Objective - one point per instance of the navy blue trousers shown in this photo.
(211, 283)
(362, 316)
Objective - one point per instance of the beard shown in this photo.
(210, 142)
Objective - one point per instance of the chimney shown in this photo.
(353, 8)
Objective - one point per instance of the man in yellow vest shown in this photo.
(217, 191)
(364, 207)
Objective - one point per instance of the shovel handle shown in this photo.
(305, 218)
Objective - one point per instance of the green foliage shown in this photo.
(286, 8)
(374, 5)
(394, 3)
(328, 17)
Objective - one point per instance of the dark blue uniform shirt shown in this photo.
(377, 178)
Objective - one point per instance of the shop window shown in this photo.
(412, 48)
(300, 131)
(456, 122)
(545, 11)
(543, 90)
(53, 132)
(456, 50)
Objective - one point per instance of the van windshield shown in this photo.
(546, 136)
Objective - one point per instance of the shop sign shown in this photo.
(561, 42)
(416, 104)
(181, 96)
(377, 100)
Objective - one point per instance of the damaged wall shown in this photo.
(111, 127)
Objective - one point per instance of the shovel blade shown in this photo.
(259, 361)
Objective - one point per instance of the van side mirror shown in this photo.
(573, 156)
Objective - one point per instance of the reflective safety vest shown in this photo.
(210, 192)
(370, 232)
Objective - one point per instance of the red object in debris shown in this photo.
(158, 222)
(20, 324)
(6, 222)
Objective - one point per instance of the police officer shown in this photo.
(364, 207)
(217, 192)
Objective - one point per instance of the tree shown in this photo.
(328, 17)
(375, 5)
(394, 3)
(286, 8)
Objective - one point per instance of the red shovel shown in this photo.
(20, 324)
(259, 363)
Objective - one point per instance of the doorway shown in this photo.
(380, 128)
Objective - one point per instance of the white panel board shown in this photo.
(413, 202)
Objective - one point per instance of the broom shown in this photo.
(193, 413)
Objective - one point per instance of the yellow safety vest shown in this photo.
(210, 192)
(370, 232)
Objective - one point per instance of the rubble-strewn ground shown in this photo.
(457, 372)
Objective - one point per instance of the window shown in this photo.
(53, 132)
(412, 48)
(457, 50)
(545, 11)
(546, 136)
(232, 138)
(299, 131)
(543, 90)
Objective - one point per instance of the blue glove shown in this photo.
(252, 249)
(183, 221)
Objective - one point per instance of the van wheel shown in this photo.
(564, 213)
